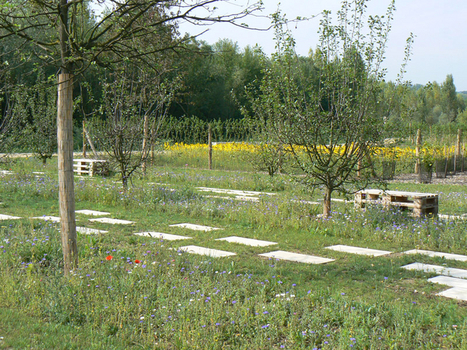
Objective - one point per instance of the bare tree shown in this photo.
(134, 108)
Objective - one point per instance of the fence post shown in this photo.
(84, 141)
(417, 151)
(209, 147)
(458, 150)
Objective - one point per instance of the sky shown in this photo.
(439, 26)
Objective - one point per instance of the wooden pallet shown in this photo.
(421, 204)
(87, 166)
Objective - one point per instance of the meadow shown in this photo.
(133, 292)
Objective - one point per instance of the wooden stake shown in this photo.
(417, 151)
(84, 141)
(210, 147)
(65, 171)
(145, 150)
(457, 156)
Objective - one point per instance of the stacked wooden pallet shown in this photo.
(87, 166)
(421, 204)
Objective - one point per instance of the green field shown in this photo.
(133, 292)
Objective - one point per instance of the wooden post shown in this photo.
(84, 140)
(209, 147)
(65, 171)
(417, 151)
(145, 150)
(457, 156)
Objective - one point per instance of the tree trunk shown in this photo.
(65, 171)
(327, 203)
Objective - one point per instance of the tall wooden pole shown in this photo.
(457, 157)
(84, 140)
(65, 171)
(417, 151)
(209, 147)
(145, 150)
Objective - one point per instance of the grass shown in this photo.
(133, 292)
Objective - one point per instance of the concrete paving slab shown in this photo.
(306, 202)
(451, 217)
(247, 241)
(89, 231)
(47, 218)
(442, 270)
(449, 281)
(358, 250)
(112, 221)
(195, 227)
(454, 293)
(215, 253)
(246, 198)
(307, 259)
(8, 217)
(448, 256)
(234, 192)
(160, 235)
(92, 212)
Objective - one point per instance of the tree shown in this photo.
(36, 110)
(78, 41)
(134, 108)
(329, 122)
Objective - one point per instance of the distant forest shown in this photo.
(211, 80)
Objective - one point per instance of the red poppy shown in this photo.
(109, 257)
(137, 261)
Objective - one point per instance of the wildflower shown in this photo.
(109, 257)
(137, 261)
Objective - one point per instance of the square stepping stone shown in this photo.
(246, 198)
(48, 218)
(449, 281)
(446, 271)
(89, 231)
(92, 212)
(248, 241)
(112, 221)
(8, 217)
(454, 293)
(448, 256)
(214, 253)
(195, 227)
(160, 235)
(358, 250)
(307, 259)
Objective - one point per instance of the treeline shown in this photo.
(208, 85)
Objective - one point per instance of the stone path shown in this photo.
(247, 241)
(113, 221)
(215, 253)
(92, 212)
(447, 256)
(358, 250)
(89, 231)
(451, 217)
(160, 235)
(234, 192)
(442, 270)
(47, 218)
(307, 259)
(9, 217)
(195, 227)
